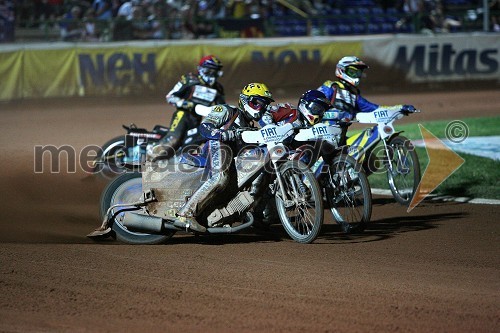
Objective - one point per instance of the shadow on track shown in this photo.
(385, 228)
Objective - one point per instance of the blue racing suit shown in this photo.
(346, 102)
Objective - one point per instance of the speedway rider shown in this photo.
(310, 110)
(219, 128)
(192, 89)
(345, 97)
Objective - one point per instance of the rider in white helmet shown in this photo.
(344, 95)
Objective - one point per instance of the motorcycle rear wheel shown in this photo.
(301, 211)
(405, 175)
(128, 188)
(348, 194)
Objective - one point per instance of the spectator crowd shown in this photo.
(101, 20)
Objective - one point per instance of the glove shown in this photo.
(183, 104)
(229, 135)
(337, 115)
(343, 116)
(408, 108)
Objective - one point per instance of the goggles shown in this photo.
(316, 108)
(258, 103)
(211, 72)
(354, 72)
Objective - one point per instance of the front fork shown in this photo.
(388, 153)
(287, 203)
(388, 156)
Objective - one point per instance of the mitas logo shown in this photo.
(444, 60)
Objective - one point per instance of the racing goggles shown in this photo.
(354, 72)
(211, 72)
(258, 103)
(316, 108)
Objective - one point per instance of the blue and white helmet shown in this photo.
(312, 106)
(350, 69)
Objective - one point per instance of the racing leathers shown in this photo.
(185, 95)
(346, 101)
(219, 129)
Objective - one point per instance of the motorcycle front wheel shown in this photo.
(124, 189)
(109, 160)
(301, 208)
(405, 174)
(348, 193)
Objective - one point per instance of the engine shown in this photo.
(236, 206)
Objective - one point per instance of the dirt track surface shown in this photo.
(435, 269)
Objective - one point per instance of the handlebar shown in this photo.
(407, 112)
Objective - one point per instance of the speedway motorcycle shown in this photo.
(141, 208)
(344, 184)
(129, 151)
(396, 154)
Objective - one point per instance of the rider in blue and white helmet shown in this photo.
(310, 110)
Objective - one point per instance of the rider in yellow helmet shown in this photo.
(219, 128)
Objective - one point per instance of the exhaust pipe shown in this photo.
(156, 225)
(143, 223)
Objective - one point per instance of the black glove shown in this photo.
(408, 108)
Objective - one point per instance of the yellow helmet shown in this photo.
(254, 100)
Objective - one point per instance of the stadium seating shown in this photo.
(352, 18)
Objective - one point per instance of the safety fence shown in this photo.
(151, 67)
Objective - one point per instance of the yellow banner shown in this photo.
(138, 69)
(49, 73)
(11, 65)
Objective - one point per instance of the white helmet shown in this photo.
(350, 69)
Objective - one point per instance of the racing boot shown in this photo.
(189, 222)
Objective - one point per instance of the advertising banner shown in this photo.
(49, 73)
(147, 67)
(11, 64)
(446, 57)
(137, 70)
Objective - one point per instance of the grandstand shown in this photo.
(281, 19)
